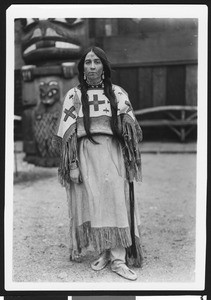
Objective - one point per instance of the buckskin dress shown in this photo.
(100, 206)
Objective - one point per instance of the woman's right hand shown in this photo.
(75, 175)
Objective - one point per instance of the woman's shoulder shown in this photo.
(71, 92)
(119, 90)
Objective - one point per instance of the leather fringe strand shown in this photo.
(68, 153)
(131, 151)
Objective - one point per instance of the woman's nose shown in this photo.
(93, 65)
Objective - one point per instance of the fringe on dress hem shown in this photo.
(107, 238)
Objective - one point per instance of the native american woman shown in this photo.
(98, 138)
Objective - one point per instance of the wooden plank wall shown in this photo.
(144, 94)
(129, 80)
(160, 85)
(175, 85)
(152, 48)
(191, 85)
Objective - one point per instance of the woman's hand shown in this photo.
(75, 175)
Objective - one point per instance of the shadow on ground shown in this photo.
(27, 177)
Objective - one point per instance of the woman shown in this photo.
(99, 142)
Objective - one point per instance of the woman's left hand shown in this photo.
(75, 175)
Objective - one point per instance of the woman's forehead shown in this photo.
(91, 55)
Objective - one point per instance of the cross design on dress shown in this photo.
(129, 106)
(96, 102)
(69, 113)
(106, 110)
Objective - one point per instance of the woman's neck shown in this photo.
(94, 82)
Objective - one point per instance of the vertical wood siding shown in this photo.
(160, 85)
(191, 85)
(175, 88)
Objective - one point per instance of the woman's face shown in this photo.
(93, 68)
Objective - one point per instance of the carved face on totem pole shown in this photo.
(49, 92)
(48, 95)
(45, 40)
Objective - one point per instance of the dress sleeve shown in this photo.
(65, 138)
(132, 136)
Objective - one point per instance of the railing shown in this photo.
(182, 125)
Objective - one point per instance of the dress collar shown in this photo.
(96, 86)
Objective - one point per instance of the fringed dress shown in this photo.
(100, 206)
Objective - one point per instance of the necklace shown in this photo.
(99, 85)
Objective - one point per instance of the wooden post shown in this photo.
(182, 130)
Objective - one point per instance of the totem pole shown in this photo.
(50, 50)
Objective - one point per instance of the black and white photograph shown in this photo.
(106, 140)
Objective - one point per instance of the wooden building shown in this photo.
(155, 60)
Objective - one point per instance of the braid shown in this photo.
(109, 93)
(85, 109)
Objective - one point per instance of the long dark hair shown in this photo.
(109, 93)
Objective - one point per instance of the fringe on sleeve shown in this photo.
(132, 135)
(67, 149)
(65, 139)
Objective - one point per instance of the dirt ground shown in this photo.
(167, 207)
